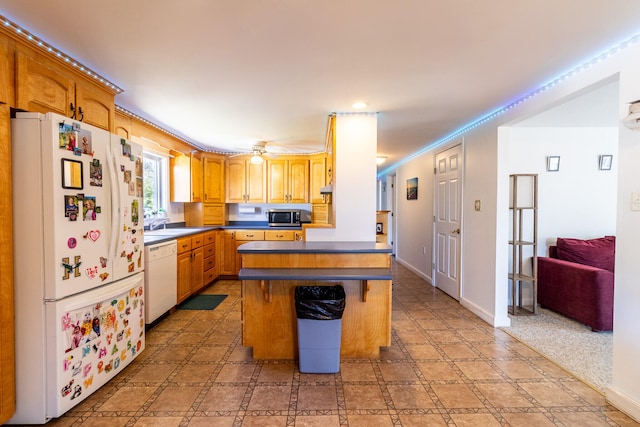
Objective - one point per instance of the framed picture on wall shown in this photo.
(412, 189)
(553, 163)
(605, 162)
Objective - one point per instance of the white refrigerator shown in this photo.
(78, 261)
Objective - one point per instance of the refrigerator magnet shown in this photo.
(95, 173)
(72, 242)
(84, 136)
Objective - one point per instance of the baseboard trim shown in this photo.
(415, 270)
(623, 402)
(483, 314)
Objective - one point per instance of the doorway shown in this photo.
(447, 220)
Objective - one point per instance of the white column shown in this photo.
(354, 186)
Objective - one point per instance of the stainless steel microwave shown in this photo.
(283, 217)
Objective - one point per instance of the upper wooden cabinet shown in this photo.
(186, 178)
(213, 176)
(43, 86)
(288, 181)
(317, 177)
(245, 181)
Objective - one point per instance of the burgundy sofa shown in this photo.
(576, 280)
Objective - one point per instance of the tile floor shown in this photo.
(445, 367)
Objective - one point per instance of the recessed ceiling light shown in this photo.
(359, 105)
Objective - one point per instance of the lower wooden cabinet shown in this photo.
(190, 265)
(210, 256)
(228, 253)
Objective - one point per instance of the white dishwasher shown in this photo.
(160, 279)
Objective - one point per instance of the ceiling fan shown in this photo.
(257, 152)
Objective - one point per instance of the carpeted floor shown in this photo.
(587, 355)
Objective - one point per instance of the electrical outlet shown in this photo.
(477, 205)
(635, 201)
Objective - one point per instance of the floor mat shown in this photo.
(202, 302)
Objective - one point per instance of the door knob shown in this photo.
(456, 231)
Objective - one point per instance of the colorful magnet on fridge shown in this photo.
(93, 235)
(66, 390)
(72, 242)
(103, 262)
(88, 382)
(104, 276)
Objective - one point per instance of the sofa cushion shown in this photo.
(598, 253)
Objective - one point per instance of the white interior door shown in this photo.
(447, 206)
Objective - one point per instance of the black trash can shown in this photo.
(319, 318)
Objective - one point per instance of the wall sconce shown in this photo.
(632, 121)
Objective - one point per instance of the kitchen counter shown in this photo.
(314, 247)
(170, 233)
(272, 270)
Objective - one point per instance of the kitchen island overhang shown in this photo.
(272, 270)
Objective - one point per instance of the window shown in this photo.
(155, 184)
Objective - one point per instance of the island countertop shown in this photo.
(302, 247)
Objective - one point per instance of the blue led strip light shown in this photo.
(36, 41)
(492, 115)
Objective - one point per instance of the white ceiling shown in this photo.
(227, 73)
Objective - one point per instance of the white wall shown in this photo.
(484, 256)
(414, 238)
(579, 200)
(625, 389)
(354, 186)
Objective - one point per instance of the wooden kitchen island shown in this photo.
(271, 271)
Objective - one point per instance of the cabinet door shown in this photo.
(40, 88)
(213, 213)
(7, 340)
(213, 176)
(256, 183)
(298, 174)
(180, 185)
(277, 188)
(228, 253)
(235, 179)
(197, 269)
(184, 276)
(97, 106)
(196, 179)
(317, 178)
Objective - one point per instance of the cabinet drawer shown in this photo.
(279, 235)
(209, 275)
(184, 245)
(197, 241)
(249, 235)
(209, 237)
(209, 263)
(209, 251)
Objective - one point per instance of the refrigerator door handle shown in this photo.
(115, 204)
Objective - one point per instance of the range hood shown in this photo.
(327, 189)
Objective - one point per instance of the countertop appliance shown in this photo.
(160, 279)
(78, 271)
(283, 217)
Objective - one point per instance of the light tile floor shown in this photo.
(445, 367)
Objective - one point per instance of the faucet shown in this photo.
(155, 223)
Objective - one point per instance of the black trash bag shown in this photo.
(320, 302)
